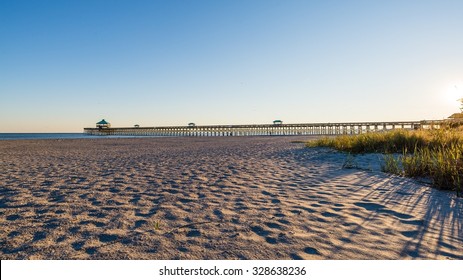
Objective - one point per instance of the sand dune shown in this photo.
(214, 198)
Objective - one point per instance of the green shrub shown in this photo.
(391, 165)
(437, 154)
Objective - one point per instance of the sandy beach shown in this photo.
(214, 198)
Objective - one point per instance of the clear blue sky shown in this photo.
(65, 65)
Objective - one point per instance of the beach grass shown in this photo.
(436, 154)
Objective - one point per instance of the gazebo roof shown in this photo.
(102, 122)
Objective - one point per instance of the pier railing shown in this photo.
(264, 129)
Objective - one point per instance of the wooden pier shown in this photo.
(263, 129)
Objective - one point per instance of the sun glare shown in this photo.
(453, 93)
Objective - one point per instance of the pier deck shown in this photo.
(264, 129)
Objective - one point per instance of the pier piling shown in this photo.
(263, 129)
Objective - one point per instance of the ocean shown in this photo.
(19, 136)
(33, 136)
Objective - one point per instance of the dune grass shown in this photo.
(436, 154)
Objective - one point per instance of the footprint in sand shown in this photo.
(294, 256)
(186, 200)
(74, 230)
(150, 213)
(47, 183)
(218, 214)
(324, 202)
(170, 216)
(135, 199)
(268, 194)
(51, 224)
(410, 234)
(97, 203)
(413, 222)
(369, 206)
(329, 214)
(39, 236)
(193, 233)
(283, 221)
(382, 209)
(182, 249)
(13, 217)
(114, 190)
(60, 239)
(14, 234)
(105, 238)
(273, 225)
(171, 191)
(271, 240)
(260, 231)
(140, 223)
(345, 240)
(42, 211)
(395, 213)
(91, 250)
(240, 206)
(78, 245)
(311, 251)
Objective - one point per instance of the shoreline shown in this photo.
(213, 198)
(76, 136)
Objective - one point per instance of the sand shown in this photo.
(214, 198)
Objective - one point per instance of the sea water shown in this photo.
(33, 136)
(19, 136)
